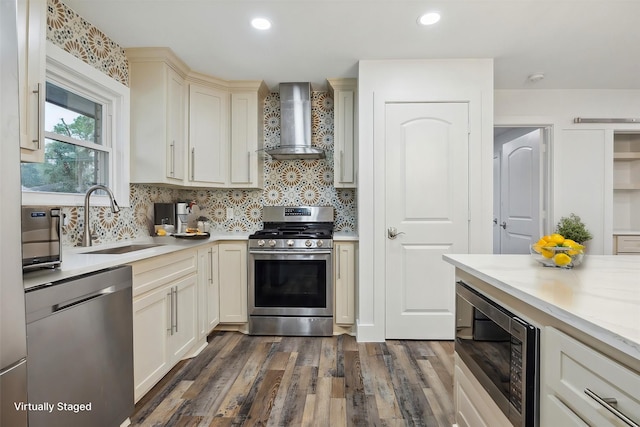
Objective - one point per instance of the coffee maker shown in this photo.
(174, 214)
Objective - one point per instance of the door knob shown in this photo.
(504, 225)
(495, 221)
(392, 233)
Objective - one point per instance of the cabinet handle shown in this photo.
(38, 92)
(608, 405)
(249, 165)
(176, 302)
(173, 158)
(170, 328)
(193, 164)
(211, 265)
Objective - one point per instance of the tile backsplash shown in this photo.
(291, 182)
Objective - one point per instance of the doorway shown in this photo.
(520, 189)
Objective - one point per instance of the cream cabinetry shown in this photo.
(213, 128)
(345, 134)
(208, 290)
(208, 135)
(345, 282)
(32, 26)
(247, 136)
(474, 406)
(158, 93)
(581, 386)
(232, 275)
(627, 244)
(164, 315)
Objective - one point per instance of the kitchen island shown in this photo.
(589, 322)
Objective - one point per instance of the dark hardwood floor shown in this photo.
(240, 380)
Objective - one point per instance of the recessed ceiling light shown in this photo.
(429, 18)
(261, 23)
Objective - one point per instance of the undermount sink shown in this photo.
(124, 249)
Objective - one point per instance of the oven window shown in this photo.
(293, 283)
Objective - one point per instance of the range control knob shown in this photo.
(308, 243)
(290, 243)
(272, 243)
(261, 243)
(319, 243)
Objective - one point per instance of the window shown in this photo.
(86, 136)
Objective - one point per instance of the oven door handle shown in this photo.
(291, 252)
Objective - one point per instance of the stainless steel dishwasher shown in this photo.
(80, 349)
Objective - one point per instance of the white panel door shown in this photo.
(426, 147)
(520, 193)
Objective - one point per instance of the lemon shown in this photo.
(548, 253)
(546, 238)
(562, 259)
(161, 232)
(556, 238)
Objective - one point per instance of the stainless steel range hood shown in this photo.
(295, 124)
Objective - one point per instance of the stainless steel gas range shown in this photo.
(290, 272)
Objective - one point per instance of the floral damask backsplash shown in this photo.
(289, 183)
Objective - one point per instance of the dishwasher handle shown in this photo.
(82, 299)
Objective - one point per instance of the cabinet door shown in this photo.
(175, 126)
(208, 135)
(233, 282)
(32, 18)
(345, 112)
(246, 139)
(184, 313)
(345, 278)
(208, 290)
(151, 323)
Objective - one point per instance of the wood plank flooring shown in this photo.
(241, 380)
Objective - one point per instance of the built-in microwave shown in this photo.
(502, 351)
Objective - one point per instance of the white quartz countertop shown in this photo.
(345, 236)
(76, 262)
(601, 297)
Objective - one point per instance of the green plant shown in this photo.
(573, 228)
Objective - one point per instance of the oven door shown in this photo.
(290, 283)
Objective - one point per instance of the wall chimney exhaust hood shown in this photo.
(295, 124)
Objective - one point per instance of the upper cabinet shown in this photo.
(158, 147)
(211, 128)
(345, 138)
(247, 135)
(32, 20)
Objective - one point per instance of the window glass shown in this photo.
(75, 156)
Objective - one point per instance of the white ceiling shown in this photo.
(577, 44)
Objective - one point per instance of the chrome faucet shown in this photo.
(86, 237)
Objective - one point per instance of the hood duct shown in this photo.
(295, 124)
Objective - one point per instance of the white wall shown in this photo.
(582, 154)
(466, 80)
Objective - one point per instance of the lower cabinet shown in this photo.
(581, 386)
(474, 406)
(164, 330)
(232, 276)
(208, 290)
(345, 282)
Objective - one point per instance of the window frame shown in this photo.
(71, 73)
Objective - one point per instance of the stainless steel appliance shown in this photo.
(80, 344)
(175, 214)
(502, 351)
(41, 245)
(290, 272)
(13, 341)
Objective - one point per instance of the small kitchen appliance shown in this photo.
(41, 245)
(290, 272)
(172, 214)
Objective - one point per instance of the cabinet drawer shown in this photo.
(572, 367)
(157, 271)
(628, 244)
